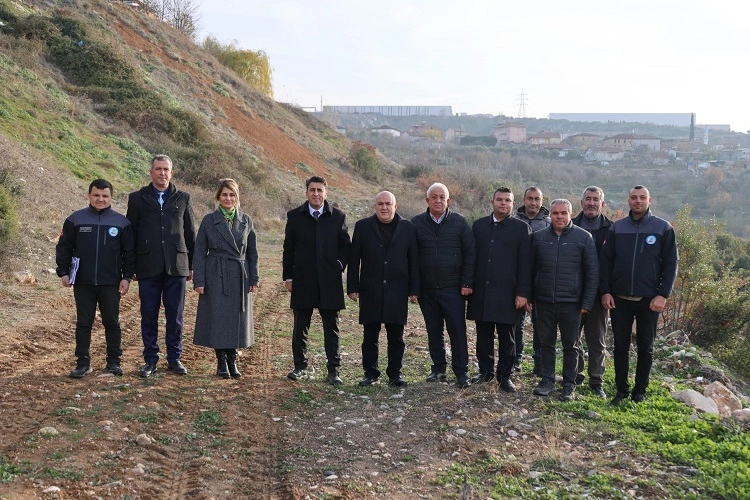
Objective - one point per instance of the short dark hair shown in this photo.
(501, 189)
(101, 184)
(532, 188)
(639, 186)
(161, 158)
(315, 178)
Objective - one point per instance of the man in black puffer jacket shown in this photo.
(565, 280)
(446, 272)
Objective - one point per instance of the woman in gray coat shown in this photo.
(225, 268)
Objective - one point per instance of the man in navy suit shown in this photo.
(164, 228)
(383, 275)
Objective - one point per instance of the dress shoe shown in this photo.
(507, 385)
(598, 391)
(619, 398)
(81, 371)
(545, 388)
(481, 378)
(463, 381)
(334, 379)
(177, 367)
(368, 381)
(568, 393)
(114, 368)
(638, 397)
(297, 374)
(517, 365)
(147, 370)
(398, 382)
(437, 377)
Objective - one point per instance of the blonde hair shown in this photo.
(232, 185)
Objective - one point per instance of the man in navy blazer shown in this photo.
(164, 229)
(383, 274)
(316, 252)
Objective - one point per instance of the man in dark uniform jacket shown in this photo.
(164, 228)
(446, 276)
(383, 274)
(316, 252)
(594, 323)
(502, 286)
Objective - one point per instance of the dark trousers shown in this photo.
(623, 314)
(566, 317)
(486, 348)
(445, 307)
(520, 339)
(153, 291)
(370, 349)
(594, 326)
(330, 320)
(87, 297)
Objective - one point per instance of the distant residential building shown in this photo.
(562, 149)
(676, 119)
(511, 132)
(583, 140)
(428, 132)
(385, 130)
(392, 110)
(603, 154)
(543, 138)
(632, 142)
(455, 134)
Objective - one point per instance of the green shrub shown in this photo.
(364, 158)
(8, 224)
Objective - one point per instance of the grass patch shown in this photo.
(209, 421)
(8, 470)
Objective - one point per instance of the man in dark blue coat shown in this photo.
(446, 274)
(164, 228)
(502, 286)
(638, 270)
(565, 280)
(594, 323)
(383, 274)
(316, 252)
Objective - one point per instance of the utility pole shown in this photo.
(522, 105)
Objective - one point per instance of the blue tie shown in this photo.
(316, 214)
(161, 199)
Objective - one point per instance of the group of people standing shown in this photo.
(566, 273)
(100, 252)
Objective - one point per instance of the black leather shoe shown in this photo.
(638, 397)
(177, 367)
(232, 364)
(619, 398)
(297, 374)
(597, 390)
(481, 378)
(437, 377)
(367, 381)
(81, 371)
(507, 385)
(334, 379)
(114, 368)
(568, 393)
(544, 388)
(222, 370)
(147, 370)
(463, 381)
(398, 382)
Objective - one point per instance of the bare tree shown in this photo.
(182, 14)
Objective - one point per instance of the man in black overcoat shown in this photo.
(316, 252)
(163, 223)
(502, 286)
(383, 274)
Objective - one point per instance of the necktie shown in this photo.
(161, 199)
(316, 214)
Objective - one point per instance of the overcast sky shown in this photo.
(645, 56)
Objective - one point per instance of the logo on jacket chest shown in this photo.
(650, 239)
(85, 229)
(113, 231)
